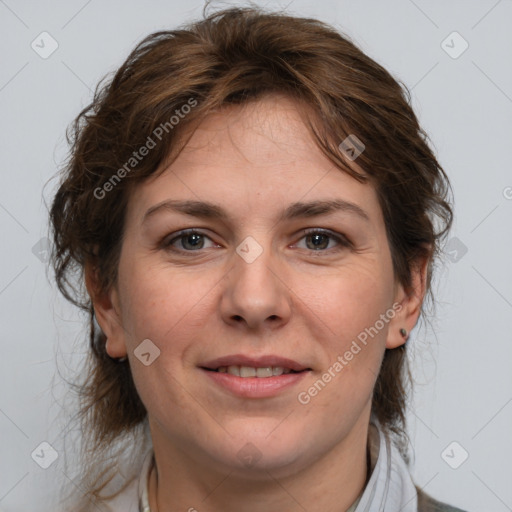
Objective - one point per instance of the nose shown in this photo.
(256, 295)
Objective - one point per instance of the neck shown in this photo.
(330, 483)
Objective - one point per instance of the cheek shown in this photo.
(350, 302)
(164, 308)
(159, 303)
(350, 299)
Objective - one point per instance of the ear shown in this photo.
(107, 313)
(410, 301)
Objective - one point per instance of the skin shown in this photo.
(293, 300)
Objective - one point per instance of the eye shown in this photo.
(318, 240)
(188, 240)
(322, 240)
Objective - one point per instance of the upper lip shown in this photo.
(255, 362)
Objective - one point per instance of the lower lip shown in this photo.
(255, 387)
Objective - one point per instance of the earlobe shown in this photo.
(398, 334)
(107, 313)
(410, 303)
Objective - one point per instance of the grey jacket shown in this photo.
(428, 504)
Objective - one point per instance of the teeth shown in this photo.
(264, 372)
(234, 370)
(248, 371)
(277, 370)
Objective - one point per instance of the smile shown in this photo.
(254, 386)
(249, 371)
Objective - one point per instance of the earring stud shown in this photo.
(403, 332)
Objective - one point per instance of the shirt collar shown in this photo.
(390, 486)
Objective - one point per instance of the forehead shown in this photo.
(262, 153)
(268, 132)
(273, 120)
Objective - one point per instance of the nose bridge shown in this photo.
(255, 293)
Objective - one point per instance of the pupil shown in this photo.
(317, 241)
(194, 240)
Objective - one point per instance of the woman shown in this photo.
(252, 207)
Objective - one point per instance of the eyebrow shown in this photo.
(206, 210)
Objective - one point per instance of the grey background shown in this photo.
(461, 362)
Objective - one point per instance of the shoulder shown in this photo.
(428, 504)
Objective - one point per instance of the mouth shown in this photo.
(260, 372)
(260, 377)
(262, 367)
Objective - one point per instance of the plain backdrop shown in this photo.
(461, 414)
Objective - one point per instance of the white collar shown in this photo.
(390, 486)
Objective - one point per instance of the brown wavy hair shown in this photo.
(233, 56)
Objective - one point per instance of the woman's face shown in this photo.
(261, 276)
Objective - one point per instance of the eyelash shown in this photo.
(340, 239)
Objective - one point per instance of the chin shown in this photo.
(254, 452)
